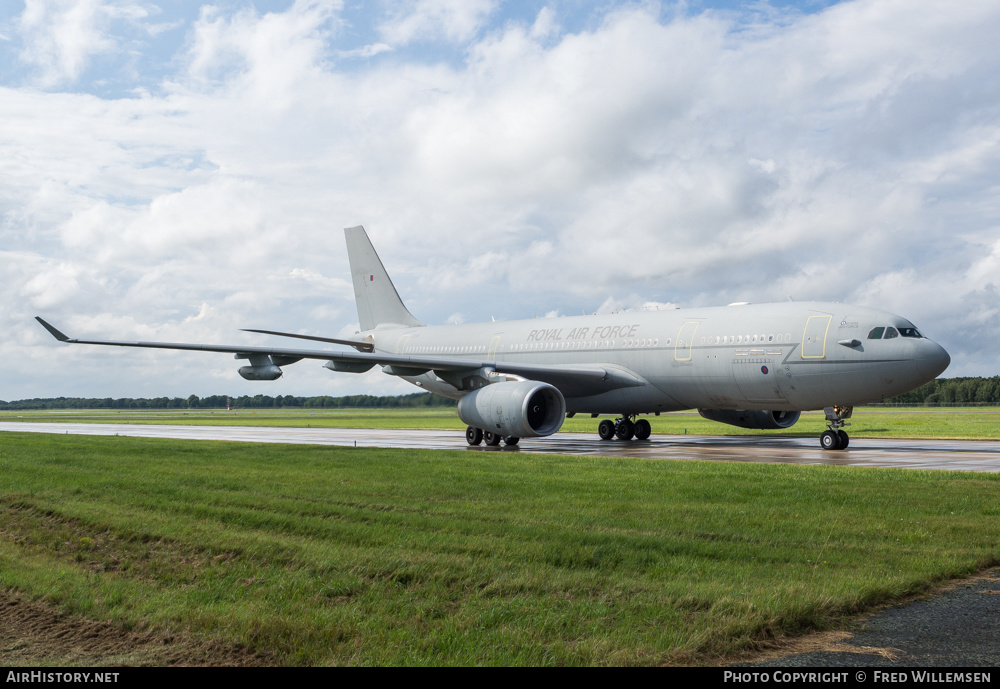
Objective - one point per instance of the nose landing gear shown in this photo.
(836, 438)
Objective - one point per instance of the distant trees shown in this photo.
(960, 392)
(963, 392)
(418, 399)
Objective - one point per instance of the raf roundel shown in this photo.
(763, 369)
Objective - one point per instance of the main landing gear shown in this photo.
(836, 438)
(624, 428)
(475, 436)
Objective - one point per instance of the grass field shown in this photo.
(319, 555)
(962, 423)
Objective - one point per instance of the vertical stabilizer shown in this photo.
(378, 301)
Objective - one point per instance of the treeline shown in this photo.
(960, 392)
(417, 399)
(940, 392)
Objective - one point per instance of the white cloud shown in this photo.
(428, 20)
(268, 57)
(60, 38)
(850, 154)
(632, 303)
(370, 50)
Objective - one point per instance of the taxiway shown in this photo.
(951, 455)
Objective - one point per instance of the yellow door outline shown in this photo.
(810, 336)
(494, 346)
(685, 340)
(402, 342)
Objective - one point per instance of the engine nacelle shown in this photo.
(265, 372)
(523, 409)
(762, 419)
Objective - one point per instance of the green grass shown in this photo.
(965, 423)
(319, 555)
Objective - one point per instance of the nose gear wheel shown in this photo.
(836, 438)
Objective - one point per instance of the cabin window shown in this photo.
(891, 333)
(876, 334)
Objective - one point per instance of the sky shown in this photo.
(174, 170)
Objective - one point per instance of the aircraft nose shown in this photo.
(933, 360)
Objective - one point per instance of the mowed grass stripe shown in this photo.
(320, 555)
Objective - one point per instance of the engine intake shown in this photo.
(762, 419)
(523, 409)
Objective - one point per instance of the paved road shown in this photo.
(958, 628)
(954, 455)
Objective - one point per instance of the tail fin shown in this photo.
(378, 301)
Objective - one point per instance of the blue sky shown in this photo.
(180, 170)
(136, 45)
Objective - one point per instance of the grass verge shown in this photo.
(318, 555)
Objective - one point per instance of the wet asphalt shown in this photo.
(957, 628)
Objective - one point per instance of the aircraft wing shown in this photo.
(571, 380)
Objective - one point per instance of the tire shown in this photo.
(511, 440)
(625, 430)
(606, 429)
(844, 440)
(830, 440)
(642, 429)
(492, 439)
(473, 436)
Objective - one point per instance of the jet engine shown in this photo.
(523, 409)
(762, 418)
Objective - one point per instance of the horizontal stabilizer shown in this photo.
(360, 346)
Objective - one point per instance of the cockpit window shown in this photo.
(910, 332)
(890, 333)
(876, 334)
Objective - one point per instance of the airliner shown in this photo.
(747, 365)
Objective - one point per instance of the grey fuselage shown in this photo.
(790, 356)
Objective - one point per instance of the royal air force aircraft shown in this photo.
(748, 365)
